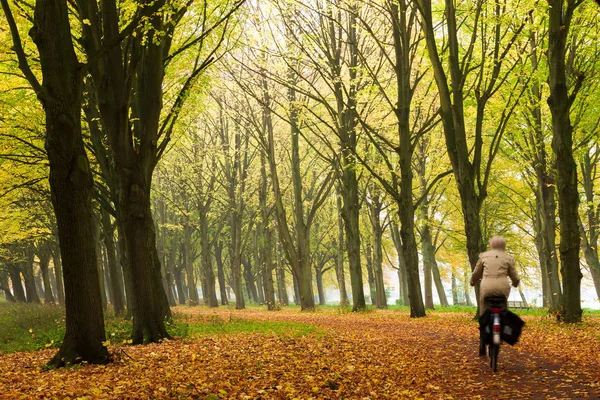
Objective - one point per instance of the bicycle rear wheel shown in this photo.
(494, 350)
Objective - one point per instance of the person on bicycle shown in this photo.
(493, 269)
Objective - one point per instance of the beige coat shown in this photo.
(492, 269)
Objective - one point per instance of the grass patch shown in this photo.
(235, 325)
(25, 327)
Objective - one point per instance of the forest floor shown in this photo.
(330, 354)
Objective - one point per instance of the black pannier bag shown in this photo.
(511, 326)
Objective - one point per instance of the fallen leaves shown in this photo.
(382, 355)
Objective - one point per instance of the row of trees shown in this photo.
(332, 133)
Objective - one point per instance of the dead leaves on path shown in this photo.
(373, 355)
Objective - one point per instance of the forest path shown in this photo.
(376, 355)
(387, 354)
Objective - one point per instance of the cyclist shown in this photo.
(493, 268)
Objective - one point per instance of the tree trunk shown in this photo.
(320, 289)
(100, 264)
(180, 286)
(439, 285)
(221, 273)
(266, 250)
(466, 288)
(189, 265)
(58, 272)
(29, 278)
(115, 278)
(402, 271)
(562, 142)
(71, 184)
(210, 294)
(376, 208)
(523, 299)
(4, 287)
(39, 286)
(249, 278)
(17, 284)
(281, 286)
(452, 116)
(44, 257)
(370, 275)
(339, 260)
(455, 300)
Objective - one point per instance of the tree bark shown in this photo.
(71, 184)
(178, 272)
(115, 278)
(370, 275)
(266, 251)
(282, 294)
(562, 143)
(376, 207)
(210, 294)
(189, 265)
(402, 272)
(339, 260)
(58, 272)
(44, 257)
(221, 272)
(4, 287)
(28, 277)
(15, 279)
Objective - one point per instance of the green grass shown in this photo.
(26, 327)
(279, 328)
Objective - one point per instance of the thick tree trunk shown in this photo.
(221, 273)
(545, 222)
(562, 142)
(71, 184)
(150, 307)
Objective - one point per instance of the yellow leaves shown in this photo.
(86, 22)
(374, 355)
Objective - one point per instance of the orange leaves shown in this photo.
(378, 355)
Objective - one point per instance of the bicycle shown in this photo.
(496, 304)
